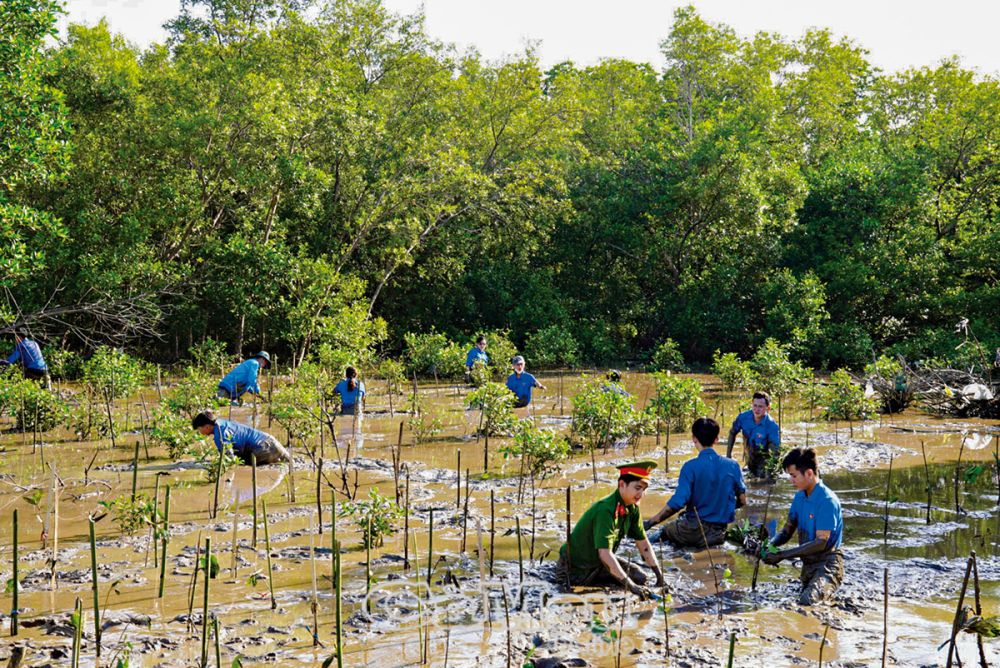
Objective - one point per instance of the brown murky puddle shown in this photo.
(461, 618)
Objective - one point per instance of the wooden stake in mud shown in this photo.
(253, 483)
(319, 493)
(506, 615)
(520, 555)
(314, 602)
(569, 562)
(493, 528)
(885, 526)
(885, 614)
(763, 532)
(458, 483)
(983, 663)
(956, 622)
(13, 609)
(406, 523)
(218, 478)
(204, 604)
(135, 470)
(267, 546)
(93, 586)
(430, 549)
(338, 590)
(56, 493)
(927, 481)
(822, 644)
(732, 649)
(165, 537)
(465, 514)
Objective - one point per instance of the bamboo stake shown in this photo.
(506, 615)
(218, 649)
(253, 483)
(458, 483)
(465, 513)
(732, 649)
(406, 524)
(822, 644)
(235, 544)
(319, 493)
(14, 606)
(493, 529)
(77, 632)
(93, 575)
(56, 493)
(204, 606)
(520, 555)
(338, 587)
(983, 663)
(430, 550)
(215, 494)
(314, 604)
(569, 561)
(927, 480)
(135, 470)
(163, 541)
(885, 614)
(267, 546)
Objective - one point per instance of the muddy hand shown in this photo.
(638, 590)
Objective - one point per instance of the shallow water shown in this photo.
(462, 616)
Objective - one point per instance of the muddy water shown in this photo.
(461, 618)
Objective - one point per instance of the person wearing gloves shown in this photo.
(242, 440)
(243, 378)
(815, 515)
(761, 436)
(588, 558)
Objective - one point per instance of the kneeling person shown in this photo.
(815, 514)
(710, 488)
(589, 559)
(241, 439)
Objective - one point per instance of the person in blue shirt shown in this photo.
(476, 354)
(351, 391)
(521, 383)
(243, 378)
(710, 489)
(28, 356)
(816, 516)
(761, 437)
(241, 439)
(613, 383)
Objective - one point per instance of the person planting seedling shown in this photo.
(243, 440)
(815, 514)
(243, 378)
(709, 490)
(521, 382)
(28, 356)
(761, 436)
(589, 557)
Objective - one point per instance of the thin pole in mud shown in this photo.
(756, 565)
(958, 470)
(159, 391)
(666, 613)
(235, 546)
(711, 561)
(520, 554)
(482, 572)
(956, 623)
(822, 644)
(885, 614)
(314, 602)
(135, 470)
(621, 630)
(458, 483)
(253, 484)
(447, 645)
(368, 560)
(77, 632)
(430, 550)
(493, 528)
(338, 590)
(215, 493)
(486, 451)
(152, 525)
(270, 390)
(164, 538)
(194, 583)
(979, 608)
(144, 419)
(569, 562)
(319, 492)
(666, 449)
(218, 649)
(885, 511)
(996, 462)
(334, 547)
(534, 520)
(406, 523)
(13, 610)
(56, 484)
(465, 514)
(732, 649)
(506, 615)
(204, 603)
(267, 547)
(927, 481)
(93, 586)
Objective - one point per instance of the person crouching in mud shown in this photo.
(589, 557)
(243, 440)
(815, 514)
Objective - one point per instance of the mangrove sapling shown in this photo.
(765, 538)
(204, 606)
(15, 583)
(406, 524)
(956, 622)
(493, 528)
(267, 547)
(93, 577)
(602, 414)
(381, 512)
(675, 401)
(979, 608)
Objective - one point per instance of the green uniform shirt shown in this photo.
(599, 529)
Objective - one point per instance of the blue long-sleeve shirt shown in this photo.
(347, 397)
(242, 379)
(29, 354)
(709, 484)
(763, 436)
(239, 437)
(476, 355)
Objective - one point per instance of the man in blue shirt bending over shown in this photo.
(521, 383)
(28, 356)
(815, 515)
(710, 488)
(243, 378)
(761, 436)
(242, 440)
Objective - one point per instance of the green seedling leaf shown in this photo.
(214, 566)
(74, 619)
(34, 497)
(973, 473)
(329, 661)
(9, 588)
(239, 664)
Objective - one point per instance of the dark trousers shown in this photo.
(821, 575)
(685, 532)
(598, 576)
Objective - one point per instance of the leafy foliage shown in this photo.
(496, 402)
(374, 517)
(553, 346)
(668, 357)
(131, 514)
(603, 414)
(676, 400)
(734, 373)
(844, 398)
(113, 373)
(540, 450)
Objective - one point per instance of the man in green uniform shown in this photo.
(588, 559)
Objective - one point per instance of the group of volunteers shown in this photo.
(709, 490)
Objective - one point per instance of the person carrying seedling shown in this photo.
(477, 353)
(761, 436)
(521, 382)
(28, 355)
(243, 378)
(351, 391)
(815, 515)
(709, 490)
(242, 440)
(589, 558)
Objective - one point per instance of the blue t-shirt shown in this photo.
(29, 354)
(820, 511)
(763, 436)
(710, 484)
(240, 437)
(347, 397)
(476, 355)
(243, 378)
(521, 386)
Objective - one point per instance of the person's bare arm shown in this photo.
(646, 550)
